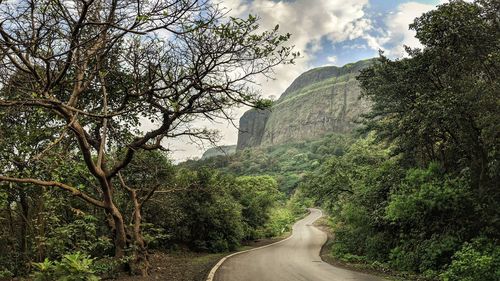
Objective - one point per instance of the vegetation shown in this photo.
(72, 267)
(203, 210)
(287, 163)
(77, 81)
(420, 192)
(85, 194)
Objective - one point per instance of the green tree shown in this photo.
(200, 212)
(257, 195)
(441, 103)
(418, 194)
(98, 69)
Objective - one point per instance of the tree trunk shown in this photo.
(116, 223)
(23, 243)
(120, 236)
(141, 263)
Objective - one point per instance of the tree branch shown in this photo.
(73, 190)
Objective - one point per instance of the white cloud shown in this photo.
(399, 22)
(332, 59)
(397, 32)
(308, 23)
(354, 46)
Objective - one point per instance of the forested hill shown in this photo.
(322, 100)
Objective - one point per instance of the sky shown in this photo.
(325, 32)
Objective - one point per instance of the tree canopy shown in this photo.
(83, 76)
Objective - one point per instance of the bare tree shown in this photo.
(98, 68)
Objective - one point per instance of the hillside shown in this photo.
(219, 151)
(287, 162)
(322, 100)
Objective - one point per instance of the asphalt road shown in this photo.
(292, 260)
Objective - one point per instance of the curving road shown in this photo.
(294, 259)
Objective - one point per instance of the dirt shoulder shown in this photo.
(186, 265)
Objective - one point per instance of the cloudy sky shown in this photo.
(326, 32)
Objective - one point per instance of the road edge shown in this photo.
(214, 269)
(351, 266)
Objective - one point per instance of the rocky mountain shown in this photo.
(319, 101)
(219, 150)
(252, 128)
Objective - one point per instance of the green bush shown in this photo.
(72, 267)
(4, 274)
(428, 255)
(403, 259)
(204, 216)
(257, 195)
(476, 261)
(81, 234)
(155, 236)
(353, 258)
(376, 246)
(280, 221)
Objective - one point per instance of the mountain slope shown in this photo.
(320, 101)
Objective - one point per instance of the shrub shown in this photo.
(476, 261)
(4, 274)
(353, 258)
(80, 234)
(72, 267)
(280, 221)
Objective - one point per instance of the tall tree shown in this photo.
(440, 104)
(99, 68)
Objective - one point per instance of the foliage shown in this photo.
(72, 267)
(280, 222)
(207, 216)
(78, 235)
(478, 260)
(441, 103)
(4, 274)
(420, 192)
(287, 163)
(257, 195)
(413, 220)
(213, 211)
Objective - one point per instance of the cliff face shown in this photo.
(252, 126)
(319, 101)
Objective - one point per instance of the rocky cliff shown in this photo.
(319, 101)
(219, 150)
(251, 129)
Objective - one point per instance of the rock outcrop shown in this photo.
(219, 150)
(252, 126)
(320, 101)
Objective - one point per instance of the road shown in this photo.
(296, 259)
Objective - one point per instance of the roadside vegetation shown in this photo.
(200, 210)
(419, 193)
(90, 91)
